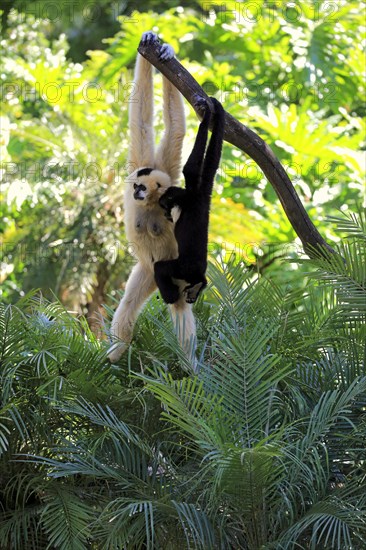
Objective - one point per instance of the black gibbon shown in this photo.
(149, 232)
(189, 208)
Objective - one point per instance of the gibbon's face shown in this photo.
(147, 185)
(168, 200)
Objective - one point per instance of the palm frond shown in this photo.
(352, 224)
(346, 274)
(20, 528)
(66, 519)
(187, 406)
(332, 523)
(12, 333)
(195, 525)
(263, 447)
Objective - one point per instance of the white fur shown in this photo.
(175, 213)
(166, 52)
(147, 245)
(169, 153)
(147, 229)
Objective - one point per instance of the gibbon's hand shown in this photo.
(166, 51)
(200, 104)
(149, 37)
(191, 292)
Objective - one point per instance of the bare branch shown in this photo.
(255, 147)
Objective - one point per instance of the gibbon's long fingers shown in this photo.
(213, 153)
(169, 152)
(141, 148)
(166, 52)
(191, 292)
(149, 37)
(193, 167)
(140, 285)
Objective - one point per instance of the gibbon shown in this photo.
(189, 209)
(149, 232)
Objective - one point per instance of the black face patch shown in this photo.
(140, 187)
(144, 172)
(137, 193)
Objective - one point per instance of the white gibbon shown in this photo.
(149, 232)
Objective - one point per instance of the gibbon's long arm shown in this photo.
(196, 158)
(169, 153)
(255, 147)
(141, 148)
(213, 153)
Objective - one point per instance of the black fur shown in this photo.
(191, 229)
(144, 172)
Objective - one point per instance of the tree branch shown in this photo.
(255, 147)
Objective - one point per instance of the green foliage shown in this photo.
(294, 74)
(263, 448)
(85, 23)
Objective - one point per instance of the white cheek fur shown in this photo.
(176, 211)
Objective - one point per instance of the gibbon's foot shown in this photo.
(192, 292)
(149, 37)
(116, 351)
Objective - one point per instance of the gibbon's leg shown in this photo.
(185, 328)
(193, 167)
(141, 148)
(140, 285)
(164, 271)
(169, 153)
(213, 153)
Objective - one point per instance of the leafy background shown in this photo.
(293, 74)
(265, 447)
